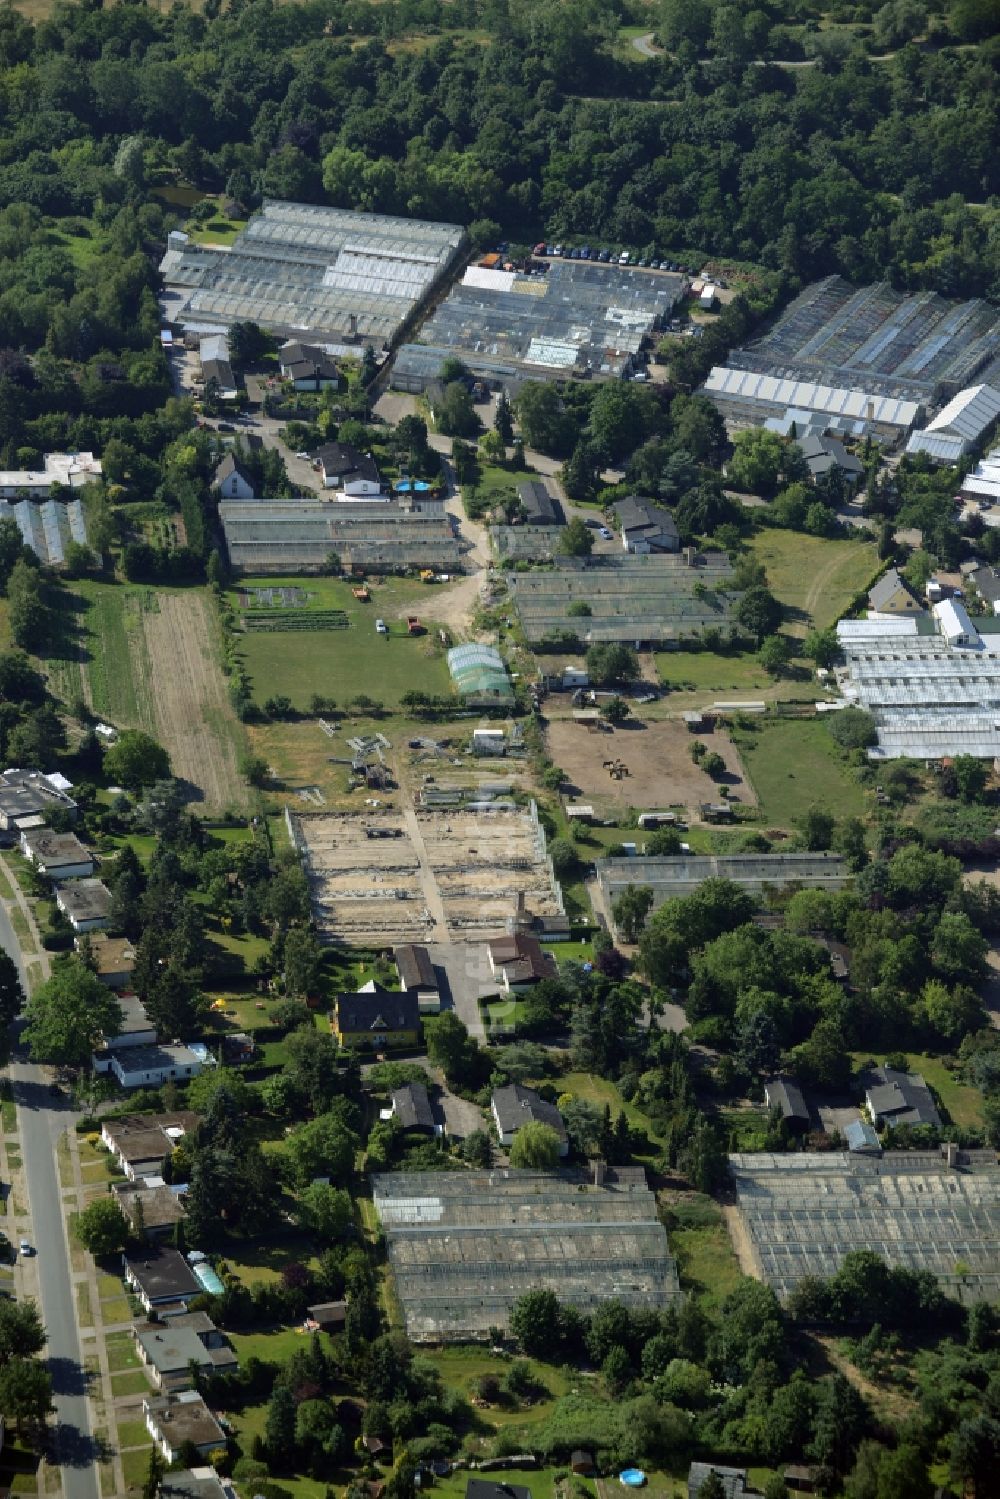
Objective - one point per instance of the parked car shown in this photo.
(225, 427)
(604, 533)
(303, 454)
(381, 627)
(26, 1249)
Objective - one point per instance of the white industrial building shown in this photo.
(69, 470)
(983, 482)
(958, 426)
(751, 396)
(933, 691)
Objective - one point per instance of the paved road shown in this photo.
(41, 1121)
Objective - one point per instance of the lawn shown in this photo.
(132, 1433)
(346, 663)
(275, 1346)
(704, 671)
(264, 1262)
(815, 579)
(794, 764)
(699, 1240)
(122, 1354)
(132, 1382)
(135, 1466)
(963, 1103)
(600, 1091)
(460, 1367)
(118, 668)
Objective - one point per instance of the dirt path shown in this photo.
(816, 590)
(194, 717)
(742, 1242)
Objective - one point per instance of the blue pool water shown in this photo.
(632, 1478)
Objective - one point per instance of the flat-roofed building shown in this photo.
(86, 904)
(59, 856)
(177, 1422)
(139, 1142)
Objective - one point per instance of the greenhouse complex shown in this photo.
(464, 1245)
(478, 672)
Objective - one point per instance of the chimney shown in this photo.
(352, 325)
(951, 1153)
(599, 1170)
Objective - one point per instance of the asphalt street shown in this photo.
(41, 1120)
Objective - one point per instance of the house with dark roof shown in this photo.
(232, 480)
(411, 1108)
(309, 368)
(112, 959)
(519, 961)
(515, 1106)
(354, 474)
(221, 372)
(174, 1421)
(784, 1094)
(161, 1275)
(894, 1098)
(417, 976)
(538, 503)
(646, 527)
(59, 856)
(139, 1142)
(986, 582)
(195, 1483)
(329, 1316)
(735, 1483)
(376, 1018)
(893, 595)
(485, 1488)
(825, 454)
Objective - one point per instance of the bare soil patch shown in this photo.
(661, 772)
(194, 718)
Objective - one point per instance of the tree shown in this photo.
(619, 419)
(615, 710)
(759, 612)
(11, 992)
(29, 616)
(817, 828)
(255, 770)
(10, 549)
(136, 760)
(102, 1228)
(975, 1453)
(503, 419)
(322, 1147)
(26, 1394)
(21, 1330)
(565, 859)
(852, 728)
(712, 1488)
(970, 777)
(611, 664)
(579, 472)
(451, 1048)
(325, 1211)
(535, 1147)
(576, 539)
(70, 1014)
(759, 460)
(454, 412)
(630, 910)
(774, 655)
(545, 422)
(279, 1427)
(303, 961)
(535, 1322)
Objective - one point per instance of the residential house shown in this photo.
(893, 595)
(894, 1098)
(195, 1483)
(784, 1094)
(515, 1106)
(160, 1276)
(213, 351)
(59, 856)
(735, 1482)
(986, 582)
(354, 474)
(26, 795)
(232, 480)
(136, 1030)
(824, 455)
(376, 1018)
(486, 1488)
(168, 1349)
(151, 1207)
(152, 1066)
(86, 904)
(417, 976)
(519, 961)
(329, 1316)
(309, 368)
(646, 527)
(139, 1142)
(112, 958)
(411, 1108)
(176, 1421)
(953, 622)
(538, 503)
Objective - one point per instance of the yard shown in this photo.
(461, 1366)
(345, 663)
(601, 1091)
(699, 1240)
(815, 579)
(963, 1103)
(794, 764)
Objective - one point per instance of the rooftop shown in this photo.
(414, 967)
(85, 900)
(298, 535)
(479, 671)
(148, 1137)
(901, 1098)
(891, 585)
(111, 955)
(680, 874)
(162, 1274)
(412, 1107)
(184, 1418)
(785, 1094)
(151, 1207)
(538, 503)
(643, 521)
(516, 1106)
(522, 959)
(379, 1011)
(53, 850)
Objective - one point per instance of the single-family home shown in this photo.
(953, 622)
(169, 1347)
(515, 1106)
(354, 474)
(376, 1018)
(538, 503)
(176, 1421)
(519, 961)
(232, 480)
(986, 581)
(411, 1109)
(417, 976)
(486, 1488)
(152, 1066)
(151, 1207)
(59, 856)
(139, 1142)
(86, 904)
(824, 455)
(309, 368)
(735, 1483)
(136, 1029)
(893, 595)
(195, 1483)
(160, 1276)
(894, 1098)
(112, 958)
(785, 1095)
(646, 527)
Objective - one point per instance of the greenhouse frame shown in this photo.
(478, 671)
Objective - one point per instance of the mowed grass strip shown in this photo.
(814, 578)
(794, 764)
(119, 669)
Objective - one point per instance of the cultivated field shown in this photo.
(658, 756)
(815, 579)
(794, 764)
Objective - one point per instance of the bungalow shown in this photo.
(784, 1094)
(150, 1206)
(136, 1030)
(232, 480)
(354, 474)
(824, 455)
(894, 1098)
(519, 961)
(646, 527)
(112, 958)
(168, 1349)
(376, 1018)
(179, 1421)
(514, 1106)
(28, 794)
(417, 976)
(152, 1066)
(195, 1483)
(86, 904)
(309, 368)
(59, 856)
(893, 595)
(139, 1142)
(411, 1108)
(160, 1276)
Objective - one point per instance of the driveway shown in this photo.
(467, 976)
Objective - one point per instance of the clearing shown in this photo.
(700, 1242)
(793, 765)
(814, 578)
(661, 772)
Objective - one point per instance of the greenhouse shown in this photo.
(49, 527)
(681, 874)
(804, 1213)
(478, 671)
(464, 1245)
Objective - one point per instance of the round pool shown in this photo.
(632, 1478)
